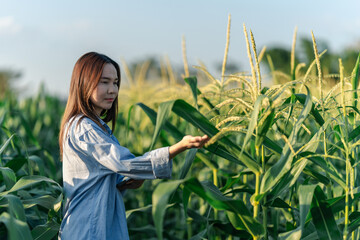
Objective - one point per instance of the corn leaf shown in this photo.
(291, 235)
(162, 116)
(8, 176)
(167, 126)
(15, 207)
(281, 167)
(189, 158)
(318, 118)
(141, 209)
(160, 200)
(253, 120)
(47, 231)
(225, 148)
(216, 199)
(306, 193)
(3, 147)
(16, 229)
(355, 80)
(194, 117)
(323, 217)
(29, 181)
(192, 82)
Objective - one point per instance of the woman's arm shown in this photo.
(94, 144)
(186, 143)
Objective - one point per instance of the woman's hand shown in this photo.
(186, 143)
(130, 184)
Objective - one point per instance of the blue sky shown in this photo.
(43, 39)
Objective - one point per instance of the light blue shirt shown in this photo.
(93, 164)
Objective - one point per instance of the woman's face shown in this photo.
(106, 91)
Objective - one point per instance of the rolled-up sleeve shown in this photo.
(96, 145)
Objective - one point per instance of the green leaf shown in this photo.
(290, 178)
(235, 220)
(253, 120)
(281, 167)
(306, 193)
(355, 222)
(200, 235)
(128, 122)
(318, 118)
(15, 207)
(216, 199)
(196, 217)
(162, 116)
(16, 163)
(277, 203)
(355, 80)
(299, 165)
(2, 118)
(194, 117)
(291, 235)
(311, 236)
(39, 162)
(352, 135)
(8, 176)
(28, 129)
(16, 229)
(316, 175)
(29, 181)
(337, 204)
(225, 148)
(189, 158)
(328, 167)
(186, 197)
(192, 82)
(160, 200)
(167, 127)
(206, 160)
(265, 126)
(46, 231)
(271, 145)
(208, 192)
(45, 201)
(291, 109)
(141, 209)
(58, 202)
(2, 148)
(323, 218)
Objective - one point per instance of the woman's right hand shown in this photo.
(130, 184)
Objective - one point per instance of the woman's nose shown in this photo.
(113, 88)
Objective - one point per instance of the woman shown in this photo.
(94, 163)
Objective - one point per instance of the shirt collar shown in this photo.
(105, 126)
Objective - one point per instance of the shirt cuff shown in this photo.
(162, 165)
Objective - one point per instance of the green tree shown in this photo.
(304, 53)
(7, 78)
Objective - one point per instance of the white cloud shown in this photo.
(8, 26)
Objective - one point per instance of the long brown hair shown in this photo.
(85, 77)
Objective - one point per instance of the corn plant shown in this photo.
(283, 162)
(29, 201)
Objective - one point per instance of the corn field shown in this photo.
(282, 161)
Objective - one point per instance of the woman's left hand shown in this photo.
(186, 143)
(131, 184)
